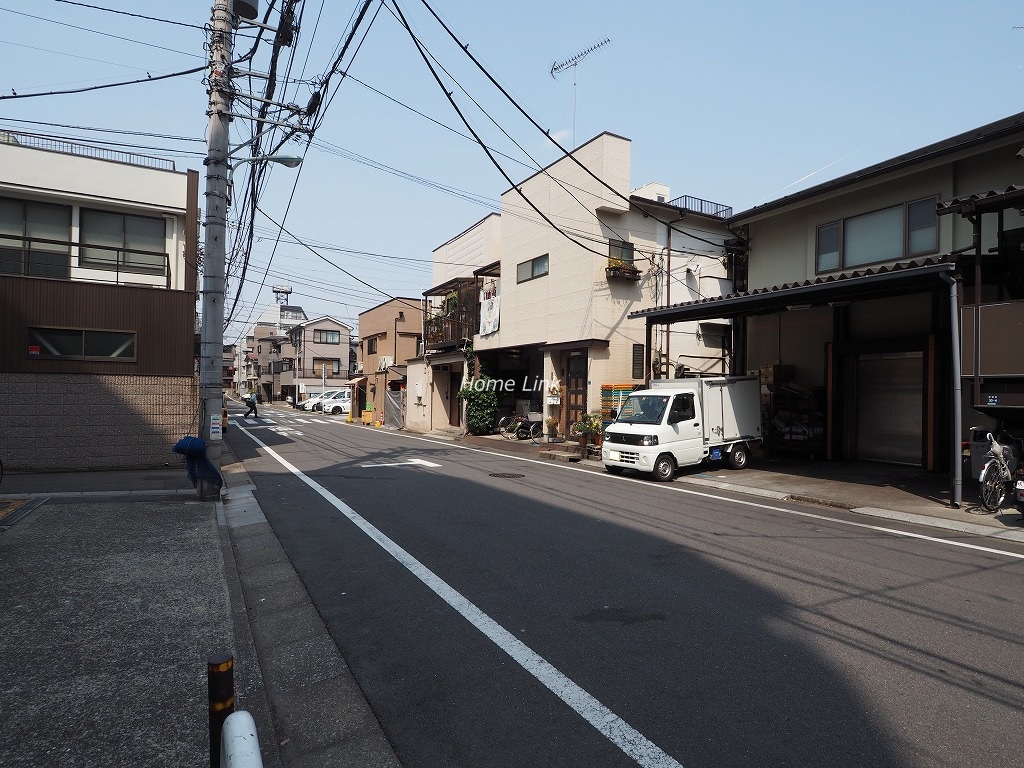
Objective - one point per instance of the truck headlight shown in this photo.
(649, 440)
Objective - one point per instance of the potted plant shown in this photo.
(587, 428)
(552, 424)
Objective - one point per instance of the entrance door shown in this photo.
(890, 399)
(454, 404)
(576, 387)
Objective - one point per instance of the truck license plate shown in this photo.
(614, 456)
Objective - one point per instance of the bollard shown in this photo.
(224, 419)
(220, 678)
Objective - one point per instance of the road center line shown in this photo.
(611, 726)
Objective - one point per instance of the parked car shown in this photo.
(310, 403)
(339, 402)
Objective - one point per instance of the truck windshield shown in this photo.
(642, 409)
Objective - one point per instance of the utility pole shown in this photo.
(211, 347)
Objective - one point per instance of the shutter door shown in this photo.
(890, 398)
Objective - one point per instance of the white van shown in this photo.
(682, 422)
(339, 402)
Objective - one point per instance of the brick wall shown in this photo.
(66, 422)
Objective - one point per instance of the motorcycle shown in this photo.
(1003, 474)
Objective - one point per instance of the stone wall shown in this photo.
(69, 422)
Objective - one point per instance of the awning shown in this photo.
(353, 382)
(909, 277)
(578, 344)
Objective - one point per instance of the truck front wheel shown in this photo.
(664, 468)
(738, 457)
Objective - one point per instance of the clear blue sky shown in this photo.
(738, 102)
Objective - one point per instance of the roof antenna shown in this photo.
(572, 61)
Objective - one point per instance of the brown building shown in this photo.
(390, 334)
(97, 305)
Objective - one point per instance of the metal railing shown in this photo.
(34, 141)
(42, 257)
(705, 207)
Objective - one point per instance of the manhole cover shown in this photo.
(507, 475)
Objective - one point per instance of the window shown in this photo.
(326, 337)
(81, 344)
(890, 234)
(532, 269)
(331, 366)
(35, 239)
(638, 361)
(620, 253)
(371, 346)
(121, 242)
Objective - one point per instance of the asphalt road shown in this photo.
(498, 611)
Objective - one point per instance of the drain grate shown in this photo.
(507, 475)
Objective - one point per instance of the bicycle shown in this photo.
(519, 428)
(996, 478)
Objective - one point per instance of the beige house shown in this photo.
(542, 293)
(885, 303)
(390, 334)
(321, 350)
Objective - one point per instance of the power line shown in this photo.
(98, 32)
(14, 95)
(126, 13)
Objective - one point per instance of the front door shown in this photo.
(454, 404)
(576, 387)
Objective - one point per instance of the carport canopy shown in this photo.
(868, 284)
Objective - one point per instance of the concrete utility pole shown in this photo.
(211, 348)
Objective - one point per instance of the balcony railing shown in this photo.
(33, 141)
(453, 314)
(705, 207)
(41, 257)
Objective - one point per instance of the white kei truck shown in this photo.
(683, 422)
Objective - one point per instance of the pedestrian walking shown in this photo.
(253, 401)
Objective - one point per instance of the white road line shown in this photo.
(614, 728)
(674, 488)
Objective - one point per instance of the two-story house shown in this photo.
(390, 334)
(322, 351)
(98, 286)
(542, 294)
(884, 304)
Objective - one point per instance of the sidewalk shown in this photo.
(116, 587)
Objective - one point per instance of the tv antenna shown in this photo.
(571, 62)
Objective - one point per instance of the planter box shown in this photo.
(367, 417)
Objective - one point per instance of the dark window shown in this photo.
(81, 344)
(371, 346)
(35, 239)
(638, 361)
(121, 242)
(532, 269)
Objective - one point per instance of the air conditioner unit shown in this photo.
(384, 362)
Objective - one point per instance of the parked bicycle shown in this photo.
(998, 478)
(519, 428)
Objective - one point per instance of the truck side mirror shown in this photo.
(614, 413)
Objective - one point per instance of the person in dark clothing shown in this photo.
(253, 400)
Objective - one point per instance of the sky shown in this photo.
(738, 102)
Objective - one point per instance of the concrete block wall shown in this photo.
(72, 422)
